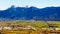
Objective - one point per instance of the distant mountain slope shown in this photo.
(27, 13)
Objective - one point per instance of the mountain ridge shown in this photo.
(28, 13)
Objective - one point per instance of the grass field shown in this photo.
(29, 27)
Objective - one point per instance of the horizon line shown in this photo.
(29, 7)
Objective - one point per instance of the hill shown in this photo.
(28, 13)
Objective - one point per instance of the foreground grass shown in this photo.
(36, 26)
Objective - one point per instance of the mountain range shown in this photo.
(30, 13)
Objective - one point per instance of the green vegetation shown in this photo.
(28, 27)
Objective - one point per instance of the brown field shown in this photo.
(29, 27)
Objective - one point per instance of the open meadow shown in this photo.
(29, 27)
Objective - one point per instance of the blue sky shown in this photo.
(4, 4)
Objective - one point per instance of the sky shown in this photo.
(4, 4)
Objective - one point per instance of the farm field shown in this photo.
(29, 27)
